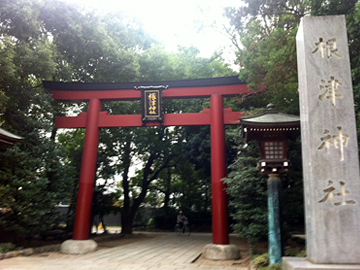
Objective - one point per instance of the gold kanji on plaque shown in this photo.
(151, 102)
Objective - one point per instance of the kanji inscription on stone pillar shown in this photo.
(329, 142)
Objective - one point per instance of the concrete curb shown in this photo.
(50, 248)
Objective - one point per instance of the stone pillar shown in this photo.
(329, 146)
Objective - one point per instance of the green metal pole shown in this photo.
(275, 249)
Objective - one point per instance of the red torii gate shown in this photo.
(216, 116)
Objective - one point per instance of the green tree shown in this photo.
(247, 191)
(264, 32)
(72, 143)
(32, 179)
(36, 43)
(267, 56)
(158, 149)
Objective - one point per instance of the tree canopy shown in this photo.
(53, 40)
(264, 33)
(36, 43)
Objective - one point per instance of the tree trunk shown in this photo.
(126, 221)
(167, 192)
(126, 224)
(129, 210)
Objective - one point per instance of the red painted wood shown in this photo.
(169, 120)
(87, 174)
(217, 117)
(218, 171)
(172, 93)
(183, 119)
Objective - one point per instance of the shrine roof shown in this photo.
(8, 138)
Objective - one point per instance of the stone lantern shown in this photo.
(272, 130)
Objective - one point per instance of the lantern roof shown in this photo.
(272, 118)
(7, 138)
(271, 122)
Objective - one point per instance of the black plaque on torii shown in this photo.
(151, 102)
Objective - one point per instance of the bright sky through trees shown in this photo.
(176, 22)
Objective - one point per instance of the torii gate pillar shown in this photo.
(220, 249)
(218, 171)
(217, 117)
(88, 171)
(80, 244)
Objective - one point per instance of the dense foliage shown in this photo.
(54, 40)
(264, 33)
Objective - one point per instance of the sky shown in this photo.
(176, 22)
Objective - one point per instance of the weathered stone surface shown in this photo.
(221, 252)
(329, 142)
(78, 246)
(8, 255)
(296, 263)
(27, 252)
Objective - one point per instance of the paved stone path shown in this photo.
(163, 251)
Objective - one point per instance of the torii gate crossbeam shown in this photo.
(216, 117)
